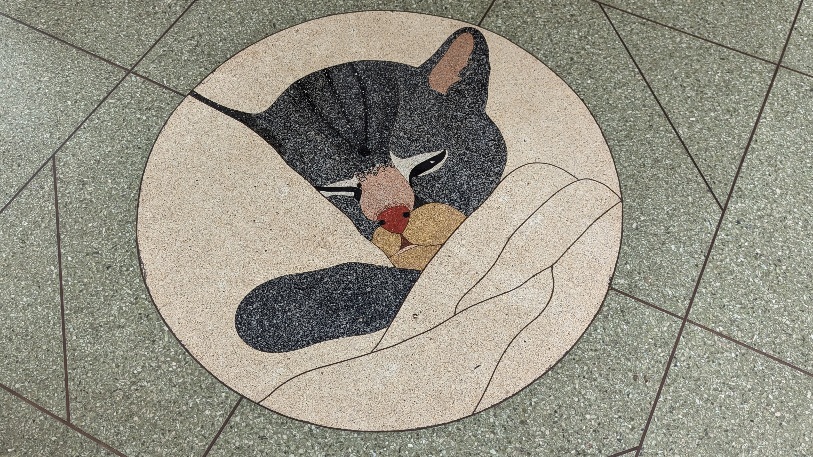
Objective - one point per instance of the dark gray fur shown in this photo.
(344, 120)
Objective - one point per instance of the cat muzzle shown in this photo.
(424, 231)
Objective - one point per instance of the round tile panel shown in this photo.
(379, 221)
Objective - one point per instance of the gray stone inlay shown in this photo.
(46, 89)
(669, 216)
(757, 286)
(722, 399)
(30, 324)
(212, 31)
(577, 408)
(711, 94)
(132, 384)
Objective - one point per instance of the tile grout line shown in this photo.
(63, 41)
(707, 40)
(624, 452)
(716, 233)
(748, 346)
(644, 302)
(684, 32)
(480, 22)
(797, 71)
(61, 294)
(52, 159)
(96, 108)
(67, 424)
(663, 109)
(715, 332)
(64, 142)
(90, 53)
(222, 427)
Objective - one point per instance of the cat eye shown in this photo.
(428, 166)
(347, 188)
(419, 165)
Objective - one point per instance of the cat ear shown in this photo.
(460, 67)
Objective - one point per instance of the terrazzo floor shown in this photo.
(704, 342)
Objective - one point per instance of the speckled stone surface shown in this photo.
(29, 297)
(758, 28)
(557, 199)
(46, 89)
(26, 432)
(132, 385)
(117, 30)
(722, 399)
(577, 408)
(757, 286)
(711, 94)
(799, 54)
(213, 31)
(669, 215)
(139, 391)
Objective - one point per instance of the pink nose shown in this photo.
(394, 219)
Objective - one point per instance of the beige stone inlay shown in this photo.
(431, 379)
(571, 310)
(220, 213)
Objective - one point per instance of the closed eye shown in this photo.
(346, 188)
(421, 164)
(428, 166)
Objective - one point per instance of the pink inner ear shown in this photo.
(447, 71)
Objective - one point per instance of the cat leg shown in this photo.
(295, 311)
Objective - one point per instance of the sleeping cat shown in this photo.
(406, 153)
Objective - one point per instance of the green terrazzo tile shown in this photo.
(578, 407)
(132, 384)
(669, 215)
(30, 323)
(711, 94)
(757, 286)
(724, 400)
(46, 89)
(213, 31)
(799, 54)
(26, 432)
(117, 30)
(758, 28)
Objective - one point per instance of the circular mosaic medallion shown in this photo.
(379, 221)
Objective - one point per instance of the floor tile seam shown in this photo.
(61, 145)
(161, 37)
(222, 427)
(63, 41)
(751, 348)
(684, 32)
(785, 67)
(62, 421)
(716, 233)
(663, 109)
(646, 303)
(61, 294)
(96, 108)
(483, 18)
(624, 452)
(90, 53)
(715, 332)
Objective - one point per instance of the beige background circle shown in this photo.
(220, 213)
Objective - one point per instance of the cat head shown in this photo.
(381, 139)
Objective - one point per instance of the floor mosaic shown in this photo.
(160, 247)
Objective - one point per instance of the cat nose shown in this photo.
(394, 219)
